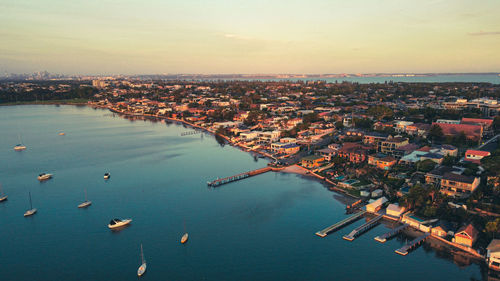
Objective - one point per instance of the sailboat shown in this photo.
(142, 269)
(185, 237)
(85, 203)
(32, 210)
(20, 146)
(3, 197)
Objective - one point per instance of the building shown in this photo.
(434, 177)
(493, 254)
(376, 205)
(475, 156)
(374, 138)
(466, 235)
(394, 210)
(400, 126)
(472, 132)
(391, 144)
(382, 161)
(285, 148)
(328, 153)
(353, 152)
(458, 185)
(313, 161)
(441, 229)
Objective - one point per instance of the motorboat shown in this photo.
(107, 176)
(116, 223)
(19, 147)
(184, 238)
(44, 176)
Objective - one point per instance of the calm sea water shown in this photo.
(261, 228)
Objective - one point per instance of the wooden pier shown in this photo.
(383, 238)
(188, 133)
(363, 228)
(237, 177)
(414, 243)
(340, 224)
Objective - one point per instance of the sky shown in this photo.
(249, 37)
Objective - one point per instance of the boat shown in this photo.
(44, 176)
(32, 210)
(3, 197)
(116, 223)
(85, 203)
(142, 269)
(107, 176)
(20, 146)
(184, 238)
(62, 133)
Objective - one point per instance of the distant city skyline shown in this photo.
(249, 37)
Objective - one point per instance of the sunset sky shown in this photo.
(242, 36)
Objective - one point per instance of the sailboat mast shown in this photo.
(142, 255)
(31, 204)
(86, 195)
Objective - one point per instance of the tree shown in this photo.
(435, 133)
(496, 124)
(380, 112)
(426, 165)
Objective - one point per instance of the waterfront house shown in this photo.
(376, 205)
(394, 210)
(312, 161)
(458, 185)
(328, 153)
(416, 222)
(441, 229)
(493, 255)
(466, 235)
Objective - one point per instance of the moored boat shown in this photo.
(116, 223)
(85, 203)
(184, 238)
(32, 210)
(107, 176)
(142, 269)
(3, 197)
(19, 147)
(44, 176)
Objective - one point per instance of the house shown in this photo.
(376, 205)
(434, 177)
(286, 148)
(418, 129)
(485, 123)
(312, 161)
(394, 210)
(472, 132)
(247, 136)
(328, 153)
(441, 229)
(458, 185)
(382, 161)
(466, 235)
(416, 222)
(400, 126)
(493, 255)
(475, 156)
(435, 157)
(374, 138)
(353, 152)
(390, 145)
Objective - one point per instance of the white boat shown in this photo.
(44, 176)
(142, 269)
(3, 197)
(85, 203)
(107, 176)
(20, 146)
(31, 211)
(184, 238)
(116, 223)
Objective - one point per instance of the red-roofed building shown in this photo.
(472, 132)
(486, 123)
(475, 156)
(466, 235)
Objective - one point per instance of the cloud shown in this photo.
(484, 33)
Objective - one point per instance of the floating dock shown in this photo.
(414, 243)
(237, 177)
(363, 228)
(383, 238)
(340, 224)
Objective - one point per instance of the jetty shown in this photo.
(188, 133)
(363, 228)
(413, 243)
(383, 238)
(237, 177)
(340, 224)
